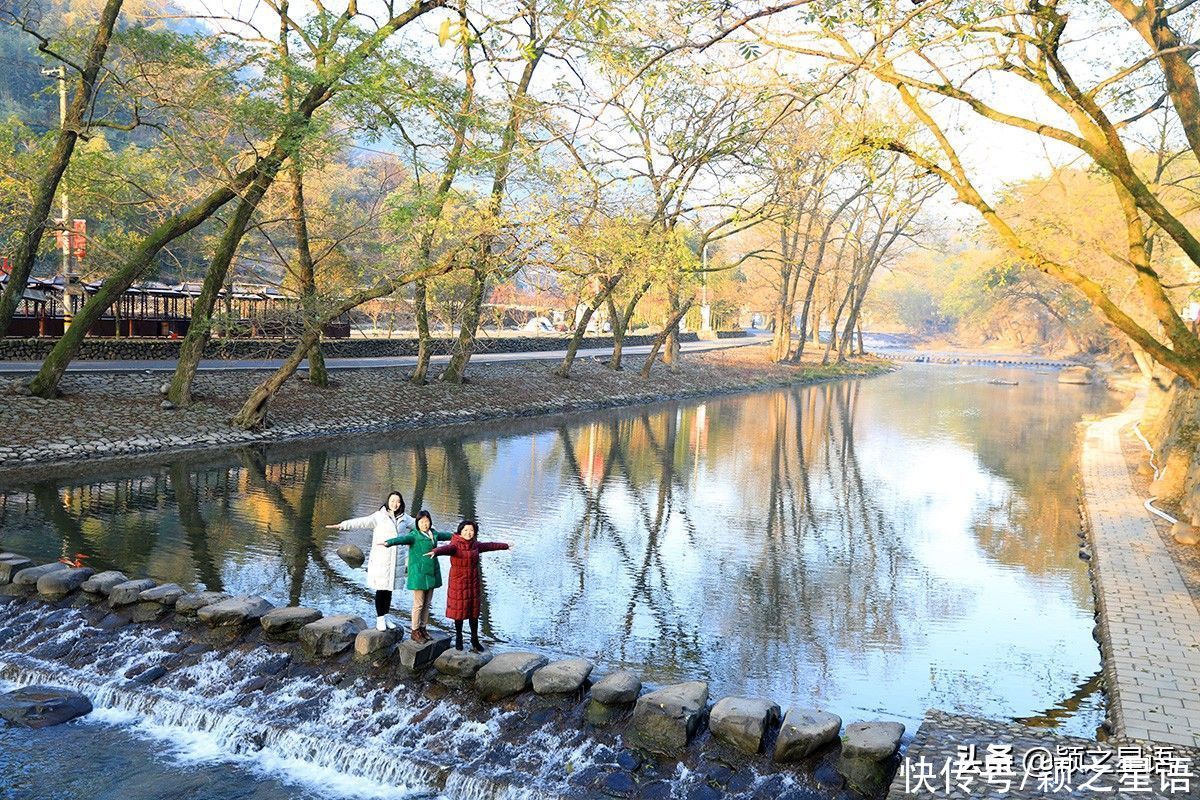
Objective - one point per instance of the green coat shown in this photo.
(424, 573)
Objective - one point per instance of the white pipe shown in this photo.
(1149, 504)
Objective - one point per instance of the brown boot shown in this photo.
(416, 635)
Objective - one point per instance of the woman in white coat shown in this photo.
(388, 522)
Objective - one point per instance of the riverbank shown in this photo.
(106, 415)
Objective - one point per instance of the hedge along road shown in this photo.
(220, 365)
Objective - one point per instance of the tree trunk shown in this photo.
(662, 337)
(254, 410)
(463, 348)
(424, 337)
(621, 322)
(564, 369)
(56, 166)
(200, 329)
(45, 383)
(317, 374)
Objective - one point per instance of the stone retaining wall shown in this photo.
(666, 721)
(237, 349)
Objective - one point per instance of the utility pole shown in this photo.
(60, 73)
(705, 311)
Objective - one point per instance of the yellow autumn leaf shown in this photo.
(444, 32)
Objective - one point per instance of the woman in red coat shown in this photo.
(466, 579)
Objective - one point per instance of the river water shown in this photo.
(873, 547)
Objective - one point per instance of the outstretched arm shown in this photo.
(485, 547)
(355, 524)
(443, 537)
(404, 539)
(444, 550)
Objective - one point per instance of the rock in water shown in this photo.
(805, 731)
(42, 706)
(331, 635)
(26, 579)
(618, 688)
(419, 656)
(375, 645)
(352, 555)
(874, 741)
(240, 610)
(743, 721)
(10, 565)
(665, 720)
(285, 623)
(166, 595)
(61, 582)
(461, 663)
(190, 604)
(867, 752)
(562, 677)
(507, 674)
(129, 592)
(103, 582)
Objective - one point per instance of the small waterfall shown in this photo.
(384, 741)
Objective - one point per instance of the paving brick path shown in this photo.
(1150, 628)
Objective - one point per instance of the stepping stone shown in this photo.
(665, 720)
(743, 721)
(61, 582)
(26, 579)
(619, 688)
(562, 677)
(103, 582)
(872, 741)
(419, 656)
(375, 645)
(805, 731)
(148, 611)
(285, 623)
(331, 635)
(10, 565)
(233, 611)
(507, 674)
(129, 592)
(42, 706)
(165, 595)
(190, 604)
(461, 663)
(352, 555)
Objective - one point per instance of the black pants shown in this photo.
(458, 642)
(383, 602)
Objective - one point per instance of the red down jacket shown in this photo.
(465, 586)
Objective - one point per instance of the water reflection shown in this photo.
(874, 547)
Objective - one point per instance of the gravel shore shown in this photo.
(104, 415)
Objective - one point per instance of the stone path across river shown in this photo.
(1150, 628)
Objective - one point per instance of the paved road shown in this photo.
(1150, 626)
(218, 365)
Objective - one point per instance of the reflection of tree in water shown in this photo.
(297, 544)
(195, 529)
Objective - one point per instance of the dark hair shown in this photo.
(424, 515)
(389, 497)
(465, 523)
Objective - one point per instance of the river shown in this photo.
(872, 547)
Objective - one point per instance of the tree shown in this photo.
(261, 167)
(74, 124)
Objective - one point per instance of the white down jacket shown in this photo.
(382, 574)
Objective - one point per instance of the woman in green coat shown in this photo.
(424, 574)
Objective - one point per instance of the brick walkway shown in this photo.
(1150, 628)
